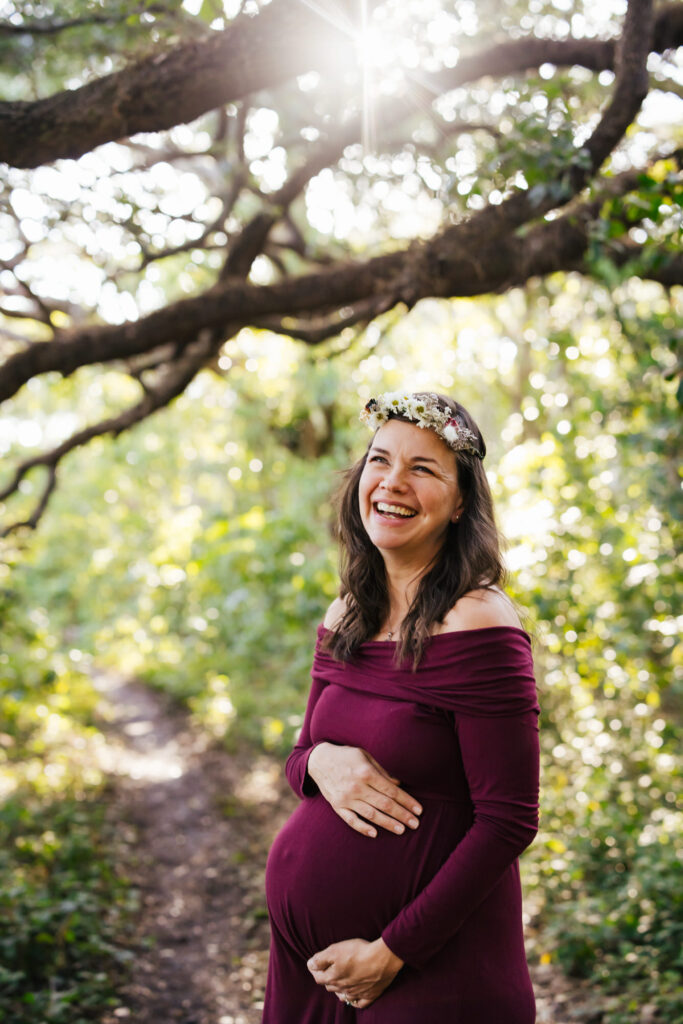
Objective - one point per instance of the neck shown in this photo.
(403, 578)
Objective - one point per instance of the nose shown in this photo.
(393, 480)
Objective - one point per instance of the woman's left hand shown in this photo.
(356, 970)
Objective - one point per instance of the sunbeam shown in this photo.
(333, 15)
(368, 121)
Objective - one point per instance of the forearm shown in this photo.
(475, 867)
(296, 767)
(501, 762)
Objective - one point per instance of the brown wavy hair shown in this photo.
(469, 559)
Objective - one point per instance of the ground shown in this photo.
(193, 824)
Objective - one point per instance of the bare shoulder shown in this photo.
(480, 609)
(335, 613)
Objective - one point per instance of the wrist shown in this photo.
(390, 961)
(313, 759)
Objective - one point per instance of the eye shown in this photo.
(426, 469)
(377, 458)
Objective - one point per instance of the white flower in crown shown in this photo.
(393, 399)
(450, 434)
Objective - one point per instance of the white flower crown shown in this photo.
(425, 411)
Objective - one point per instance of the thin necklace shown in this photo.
(391, 633)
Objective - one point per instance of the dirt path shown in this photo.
(194, 826)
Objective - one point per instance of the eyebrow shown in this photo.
(415, 458)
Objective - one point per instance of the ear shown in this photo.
(457, 513)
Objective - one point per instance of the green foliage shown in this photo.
(196, 553)
(86, 35)
(627, 932)
(254, 579)
(60, 900)
(60, 905)
(602, 576)
(651, 216)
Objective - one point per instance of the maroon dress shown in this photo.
(462, 736)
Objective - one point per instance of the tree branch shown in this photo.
(630, 89)
(525, 205)
(172, 384)
(44, 26)
(510, 58)
(164, 350)
(499, 264)
(285, 39)
(449, 265)
(227, 200)
(253, 236)
(316, 330)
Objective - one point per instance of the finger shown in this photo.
(319, 961)
(328, 980)
(356, 823)
(358, 1004)
(359, 1001)
(385, 805)
(403, 800)
(383, 783)
(377, 817)
(333, 983)
(320, 976)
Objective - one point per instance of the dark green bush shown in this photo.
(60, 909)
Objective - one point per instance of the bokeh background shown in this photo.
(194, 551)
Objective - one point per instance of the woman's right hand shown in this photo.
(361, 791)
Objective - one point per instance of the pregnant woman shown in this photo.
(393, 890)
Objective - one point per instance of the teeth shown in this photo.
(397, 510)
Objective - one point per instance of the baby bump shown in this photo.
(326, 882)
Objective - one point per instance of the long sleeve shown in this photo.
(297, 762)
(501, 761)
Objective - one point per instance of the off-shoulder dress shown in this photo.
(461, 733)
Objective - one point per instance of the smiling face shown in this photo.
(408, 491)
